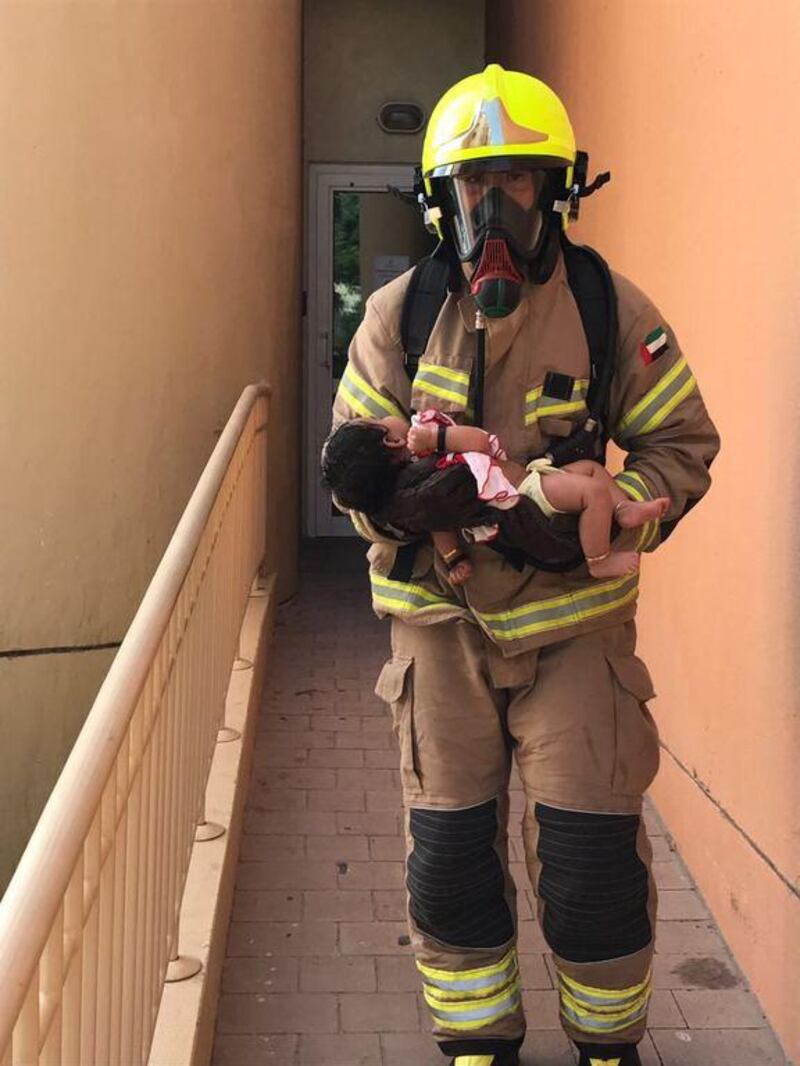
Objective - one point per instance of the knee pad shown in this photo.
(593, 885)
(455, 877)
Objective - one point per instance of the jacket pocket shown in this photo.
(395, 685)
(636, 754)
(549, 426)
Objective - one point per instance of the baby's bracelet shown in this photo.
(441, 440)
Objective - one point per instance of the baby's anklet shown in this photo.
(597, 558)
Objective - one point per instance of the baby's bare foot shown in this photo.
(617, 564)
(633, 513)
(460, 573)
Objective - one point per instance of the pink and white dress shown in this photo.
(492, 484)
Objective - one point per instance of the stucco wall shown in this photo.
(694, 108)
(384, 50)
(150, 269)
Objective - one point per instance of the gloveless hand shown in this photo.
(422, 439)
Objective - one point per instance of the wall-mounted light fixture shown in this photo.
(397, 117)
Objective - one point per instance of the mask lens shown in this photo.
(498, 200)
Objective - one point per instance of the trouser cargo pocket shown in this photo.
(636, 754)
(395, 685)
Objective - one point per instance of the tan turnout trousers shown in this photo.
(574, 718)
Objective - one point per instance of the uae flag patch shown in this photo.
(654, 345)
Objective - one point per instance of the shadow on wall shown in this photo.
(56, 692)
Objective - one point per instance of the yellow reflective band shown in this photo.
(443, 381)
(475, 1015)
(460, 975)
(602, 1024)
(352, 401)
(475, 988)
(604, 1062)
(558, 612)
(659, 402)
(603, 1015)
(474, 1060)
(466, 1005)
(632, 483)
(537, 407)
(648, 535)
(368, 400)
(669, 405)
(461, 377)
(606, 996)
(437, 390)
(602, 1010)
(404, 596)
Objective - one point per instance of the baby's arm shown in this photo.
(425, 438)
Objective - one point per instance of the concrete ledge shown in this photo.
(184, 1033)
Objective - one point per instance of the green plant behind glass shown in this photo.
(348, 305)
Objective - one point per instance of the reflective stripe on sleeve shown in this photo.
(443, 381)
(558, 612)
(634, 485)
(652, 410)
(405, 597)
(363, 399)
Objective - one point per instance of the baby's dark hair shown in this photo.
(358, 468)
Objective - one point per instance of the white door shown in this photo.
(360, 235)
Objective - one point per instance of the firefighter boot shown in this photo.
(608, 1055)
(511, 1059)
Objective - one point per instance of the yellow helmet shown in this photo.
(499, 127)
(498, 113)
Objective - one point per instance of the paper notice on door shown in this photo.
(386, 267)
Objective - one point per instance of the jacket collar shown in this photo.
(502, 331)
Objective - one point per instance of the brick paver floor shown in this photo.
(318, 969)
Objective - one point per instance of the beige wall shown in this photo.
(150, 269)
(384, 50)
(387, 226)
(694, 109)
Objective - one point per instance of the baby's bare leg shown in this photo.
(628, 513)
(574, 492)
(446, 543)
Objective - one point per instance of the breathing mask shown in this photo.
(499, 212)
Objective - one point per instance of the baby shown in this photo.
(361, 460)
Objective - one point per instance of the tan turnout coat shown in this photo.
(657, 416)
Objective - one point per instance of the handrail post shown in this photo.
(181, 967)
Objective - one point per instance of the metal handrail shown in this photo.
(54, 896)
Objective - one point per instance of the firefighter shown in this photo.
(524, 664)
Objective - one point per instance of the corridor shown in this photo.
(318, 969)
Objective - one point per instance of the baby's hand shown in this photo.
(421, 439)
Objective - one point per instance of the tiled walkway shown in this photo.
(318, 971)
